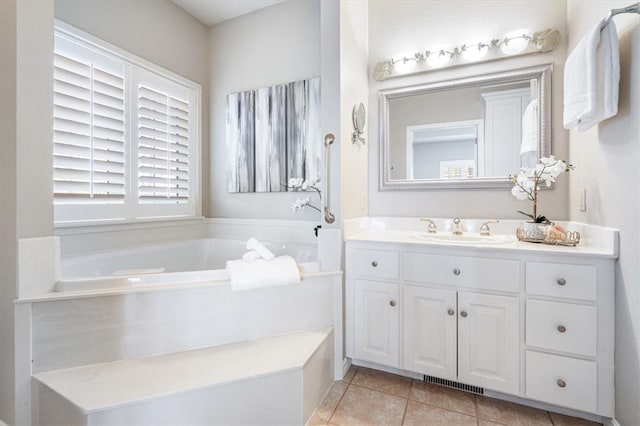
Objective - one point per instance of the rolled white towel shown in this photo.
(256, 245)
(281, 270)
(250, 256)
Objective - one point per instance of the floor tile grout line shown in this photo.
(338, 403)
(404, 413)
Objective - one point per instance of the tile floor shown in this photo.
(369, 397)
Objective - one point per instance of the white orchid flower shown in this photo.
(300, 204)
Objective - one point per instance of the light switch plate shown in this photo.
(582, 199)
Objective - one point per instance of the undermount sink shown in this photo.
(465, 238)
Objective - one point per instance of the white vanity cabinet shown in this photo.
(465, 336)
(530, 323)
(377, 322)
(567, 323)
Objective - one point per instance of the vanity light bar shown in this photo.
(518, 42)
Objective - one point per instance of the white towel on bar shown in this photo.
(530, 128)
(591, 77)
(244, 275)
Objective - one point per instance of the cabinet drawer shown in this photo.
(561, 280)
(477, 272)
(376, 264)
(561, 326)
(563, 381)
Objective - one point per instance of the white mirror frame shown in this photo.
(542, 73)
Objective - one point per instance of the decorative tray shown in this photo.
(569, 238)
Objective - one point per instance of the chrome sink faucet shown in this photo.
(457, 228)
(431, 227)
(484, 229)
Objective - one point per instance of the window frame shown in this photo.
(131, 210)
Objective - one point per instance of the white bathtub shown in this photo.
(167, 264)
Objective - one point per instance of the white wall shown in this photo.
(270, 46)
(401, 26)
(354, 88)
(156, 30)
(606, 159)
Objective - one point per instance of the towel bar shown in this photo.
(634, 8)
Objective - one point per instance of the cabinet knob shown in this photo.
(463, 314)
(451, 312)
(562, 328)
(374, 264)
(562, 383)
(456, 271)
(561, 281)
(392, 303)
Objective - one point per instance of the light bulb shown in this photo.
(474, 50)
(439, 57)
(404, 63)
(516, 41)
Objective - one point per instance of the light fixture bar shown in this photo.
(514, 43)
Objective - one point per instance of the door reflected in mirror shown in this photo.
(468, 132)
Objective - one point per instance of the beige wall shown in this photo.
(26, 93)
(606, 159)
(400, 26)
(274, 45)
(8, 244)
(155, 30)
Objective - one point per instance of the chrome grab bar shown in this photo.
(328, 140)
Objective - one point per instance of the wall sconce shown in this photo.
(517, 42)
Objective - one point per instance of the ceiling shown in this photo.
(211, 12)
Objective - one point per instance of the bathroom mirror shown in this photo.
(465, 133)
(359, 119)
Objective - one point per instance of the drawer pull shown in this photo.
(451, 312)
(562, 328)
(562, 383)
(374, 264)
(456, 271)
(561, 281)
(463, 314)
(392, 303)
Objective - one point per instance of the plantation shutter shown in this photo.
(89, 132)
(164, 138)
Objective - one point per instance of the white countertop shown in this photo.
(594, 240)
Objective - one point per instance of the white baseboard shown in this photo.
(3, 423)
(346, 365)
(391, 370)
(610, 422)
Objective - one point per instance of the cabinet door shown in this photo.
(376, 322)
(488, 341)
(430, 331)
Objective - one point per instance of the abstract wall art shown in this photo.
(240, 142)
(273, 134)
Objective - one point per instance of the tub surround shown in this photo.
(283, 378)
(84, 327)
(523, 321)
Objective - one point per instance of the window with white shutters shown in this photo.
(163, 146)
(126, 135)
(88, 133)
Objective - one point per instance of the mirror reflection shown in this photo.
(465, 132)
